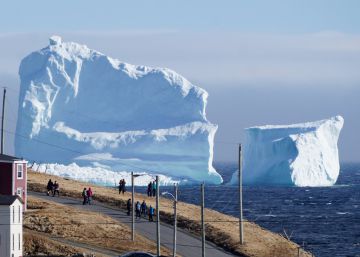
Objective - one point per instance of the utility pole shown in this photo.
(2, 122)
(133, 207)
(241, 225)
(202, 220)
(157, 217)
(175, 218)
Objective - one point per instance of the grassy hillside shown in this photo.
(46, 223)
(259, 242)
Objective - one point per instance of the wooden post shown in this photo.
(157, 217)
(241, 225)
(2, 122)
(175, 219)
(202, 220)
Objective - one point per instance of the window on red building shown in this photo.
(19, 168)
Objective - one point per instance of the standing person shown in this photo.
(84, 195)
(120, 186)
(128, 206)
(56, 189)
(151, 213)
(49, 187)
(143, 208)
(149, 189)
(89, 195)
(124, 186)
(138, 209)
(154, 188)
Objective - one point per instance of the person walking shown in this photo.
(149, 189)
(84, 195)
(143, 208)
(56, 189)
(49, 187)
(120, 186)
(154, 188)
(128, 206)
(151, 213)
(138, 209)
(89, 195)
(123, 186)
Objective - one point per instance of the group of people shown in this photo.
(141, 210)
(87, 195)
(151, 189)
(122, 186)
(53, 188)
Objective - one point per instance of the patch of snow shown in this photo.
(101, 175)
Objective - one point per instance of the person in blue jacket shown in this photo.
(151, 213)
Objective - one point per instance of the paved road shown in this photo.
(187, 245)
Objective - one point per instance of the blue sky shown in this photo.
(263, 62)
(276, 16)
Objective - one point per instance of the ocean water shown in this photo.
(325, 220)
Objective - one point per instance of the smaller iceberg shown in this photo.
(304, 154)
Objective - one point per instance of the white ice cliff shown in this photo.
(78, 105)
(303, 154)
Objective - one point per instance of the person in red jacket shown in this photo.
(89, 194)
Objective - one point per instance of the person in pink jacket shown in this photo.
(89, 194)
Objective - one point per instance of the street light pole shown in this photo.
(175, 198)
(175, 218)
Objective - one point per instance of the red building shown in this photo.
(13, 177)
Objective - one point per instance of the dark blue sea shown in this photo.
(325, 220)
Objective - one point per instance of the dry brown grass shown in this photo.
(38, 244)
(86, 227)
(258, 241)
(41, 245)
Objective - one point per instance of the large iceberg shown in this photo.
(78, 105)
(303, 154)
